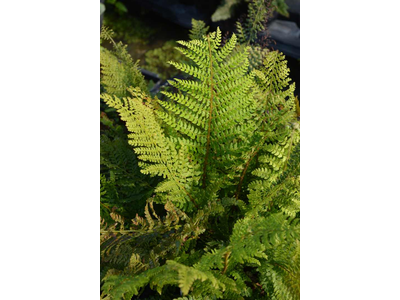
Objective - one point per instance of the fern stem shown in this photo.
(226, 256)
(210, 115)
(190, 197)
(244, 173)
(289, 151)
(247, 165)
(105, 206)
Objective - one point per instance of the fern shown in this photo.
(226, 145)
(118, 71)
(207, 117)
(157, 152)
(256, 56)
(124, 187)
(277, 176)
(257, 15)
(199, 29)
(261, 242)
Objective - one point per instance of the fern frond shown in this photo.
(256, 56)
(280, 278)
(222, 129)
(215, 109)
(199, 30)
(258, 12)
(118, 71)
(125, 187)
(157, 152)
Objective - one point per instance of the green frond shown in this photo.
(213, 109)
(256, 56)
(123, 186)
(258, 12)
(156, 152)
(281, 278)
(118, 71)
(106, 34)
(199, 30)
(240, 33)
(225, 150)
(280, 174)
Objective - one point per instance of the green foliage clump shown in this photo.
(118, 71)
(123, 188)
(258, 12)
(157, 60)
(225, 149)
(248, 30)
(257, 55)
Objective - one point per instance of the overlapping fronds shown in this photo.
(118, 71)
(212, 112)
(157, 153)
(280, 194)
(265, 243)
(280, 277)
(256, 56)
(275, 118)
(257, 15)
(127, 249)
(277, 176)
(225, 146)
(125, 252)
(124, 186)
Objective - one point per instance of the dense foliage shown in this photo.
(200, 192)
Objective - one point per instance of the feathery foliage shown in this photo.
(118, 71)
(199, 29)
(256, 56)
(124, 189)
(258, 13)
(225, 147)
